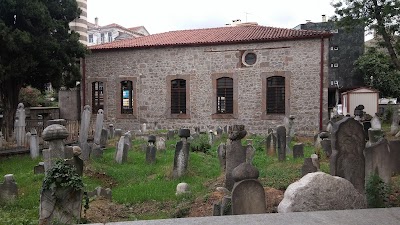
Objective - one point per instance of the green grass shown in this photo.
(135, 182)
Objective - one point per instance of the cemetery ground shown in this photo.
(147, 191)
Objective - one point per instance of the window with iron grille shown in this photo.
(97, 96)
(178, 96)
(126, 97)
(225, 95)
(275, 95)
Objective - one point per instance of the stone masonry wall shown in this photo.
(151, 67)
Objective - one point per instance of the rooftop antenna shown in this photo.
(246, 15)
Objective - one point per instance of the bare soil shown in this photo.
(102, 210)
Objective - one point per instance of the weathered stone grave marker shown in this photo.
(347, 159)
(181, 154)
(281, 140)
(8, 189)
(235, 153)
(248, 196)
(34, 144)
(270, 143)
(84, 132)
(151, 150)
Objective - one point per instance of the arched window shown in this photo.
(178, 96)
(275, 95)
(97, 96)
(126, 97)
(225, 95)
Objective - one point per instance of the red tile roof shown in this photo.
(212, 36)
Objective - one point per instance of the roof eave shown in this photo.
(322, 35)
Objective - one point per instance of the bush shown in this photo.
(30, 96)
(200, 144)
(377, 192)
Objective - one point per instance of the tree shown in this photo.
(379, 72)
(36, 47)
(382, 16)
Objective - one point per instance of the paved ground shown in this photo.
(386, 216)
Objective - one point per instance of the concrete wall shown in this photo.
(150, 69)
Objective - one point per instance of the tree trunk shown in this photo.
(385, 36)
(9, 91)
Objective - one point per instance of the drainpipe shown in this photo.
(321, 90)
(83, 82)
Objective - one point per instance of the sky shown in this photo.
(168, 15)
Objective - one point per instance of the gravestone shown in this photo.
(100, 192)
(289, 126)
(1, 139)
(376, 122)
(144, 128)
(151, 150)
(219, 131)
(161, 144)
(248, 195)
(128, 139)
(395, 155)
(34, 144)
(298, 150)
(56, 121)
(103, 138)
(394, 127)
(20, 125)
(235, 153)
(182, 188)
(121, 155)
(378, 161)
(326, 146)
(221, 152)
(374, 136)
(320, 191)
(117, 133)
(98, 126)
(308, 167)
(250, 152)
(347, 159)
(181, 157)
(110, 131)
(170, 134)
(60, 204)
(8, 189)
(28, 138)
(366, 126)
(315, 161)
(97, 151)
(54, 135)
(39, 169)
(270, 143)
(281, 140)
(210, 137)
(84, 132)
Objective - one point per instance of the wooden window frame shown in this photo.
(177, 93)
(215, 114)
(119, 113)
(96, 101)
(273, 116)
(169, 79)
(89, 94)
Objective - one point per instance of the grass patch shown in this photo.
(136, 183)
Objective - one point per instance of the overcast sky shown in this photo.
(167, 15)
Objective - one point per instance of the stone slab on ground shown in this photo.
(387, 216)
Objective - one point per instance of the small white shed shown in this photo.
(360, 96)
